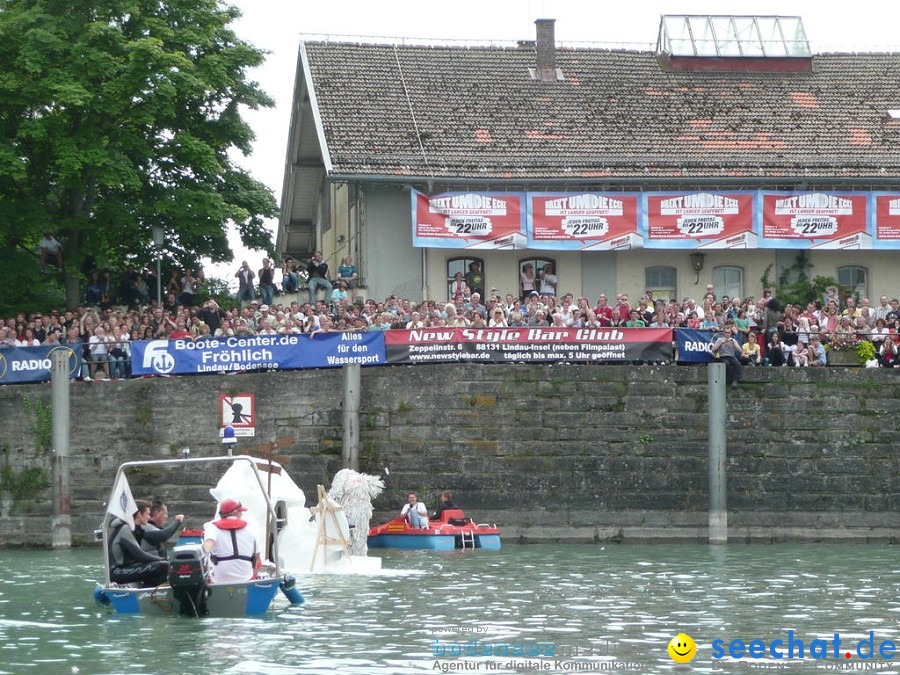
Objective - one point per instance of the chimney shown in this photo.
(546, 70)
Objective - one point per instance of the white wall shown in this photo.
(393, 266)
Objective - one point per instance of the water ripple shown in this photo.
(633, 597)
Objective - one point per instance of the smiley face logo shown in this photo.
(682, 648)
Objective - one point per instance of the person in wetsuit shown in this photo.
(128, 562)
(157, 532)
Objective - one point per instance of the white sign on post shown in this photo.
(238, 412)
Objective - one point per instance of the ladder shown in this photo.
(467, 539)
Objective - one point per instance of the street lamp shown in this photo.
(158, 235)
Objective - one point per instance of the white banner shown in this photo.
(121, 503)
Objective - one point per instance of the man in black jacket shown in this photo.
(156, 532)
(210, 314)
(317, 269)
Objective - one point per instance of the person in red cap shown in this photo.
(231, 545)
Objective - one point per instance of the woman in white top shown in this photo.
(99, 346)
(528, 282)
(498, 319)
(878, 333)
(548, 281)
(458, 287)
(117, 352)
(28, 339)
(415, 322)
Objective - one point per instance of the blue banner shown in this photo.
(332, 350)
(255, 352)
(32, 364)
(694, 345)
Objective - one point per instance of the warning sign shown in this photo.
(239, 412)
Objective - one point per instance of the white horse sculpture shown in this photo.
(355, 491)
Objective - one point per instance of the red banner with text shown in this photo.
(700, 220)
(537, 344)
(827, 220)
(583, 221)
(887, 217)
(483, 220)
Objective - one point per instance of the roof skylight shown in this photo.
(732, 36)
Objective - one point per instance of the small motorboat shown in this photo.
(454, 530)
(189, 590)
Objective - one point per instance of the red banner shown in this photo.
(538, 344)
(887, 217)
(710, 218)
(795, 219)
(469, 220)
(590, 220)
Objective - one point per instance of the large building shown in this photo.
(727, 151)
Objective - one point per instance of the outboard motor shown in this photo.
(188, 574)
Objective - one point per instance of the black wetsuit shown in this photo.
(155, 537)
(128, 563)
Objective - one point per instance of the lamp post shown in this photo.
(158, 235)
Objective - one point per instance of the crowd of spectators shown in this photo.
(104, 327)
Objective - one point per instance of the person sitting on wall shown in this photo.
(156, 532)
(51, 251)
(290, 281)
(817, 357)
(348, 273)
(728, 349)
(246, 289)
(415, 512)
(231, 545)
(128, 562)
(750, 351)
(445, 503)
(317, 271)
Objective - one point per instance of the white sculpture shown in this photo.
(355, 491)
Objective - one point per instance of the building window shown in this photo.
(463, 267)
(728, 281)
(661, 281)
(854, 281)
(537, 265)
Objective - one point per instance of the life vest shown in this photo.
(231, 525)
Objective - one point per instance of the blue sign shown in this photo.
(331, 350)
(32, 364)
(255, 352)
(694, 345)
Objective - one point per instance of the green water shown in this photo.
(624, 603)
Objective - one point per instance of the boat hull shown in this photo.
(413, 542)
(250, 598)
(442, 535)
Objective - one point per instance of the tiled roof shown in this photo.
(617, 114)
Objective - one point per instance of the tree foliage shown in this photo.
(795, 285)
(117, 115)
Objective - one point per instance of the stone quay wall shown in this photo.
(568, 453)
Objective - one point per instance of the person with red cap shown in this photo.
(231, 545)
